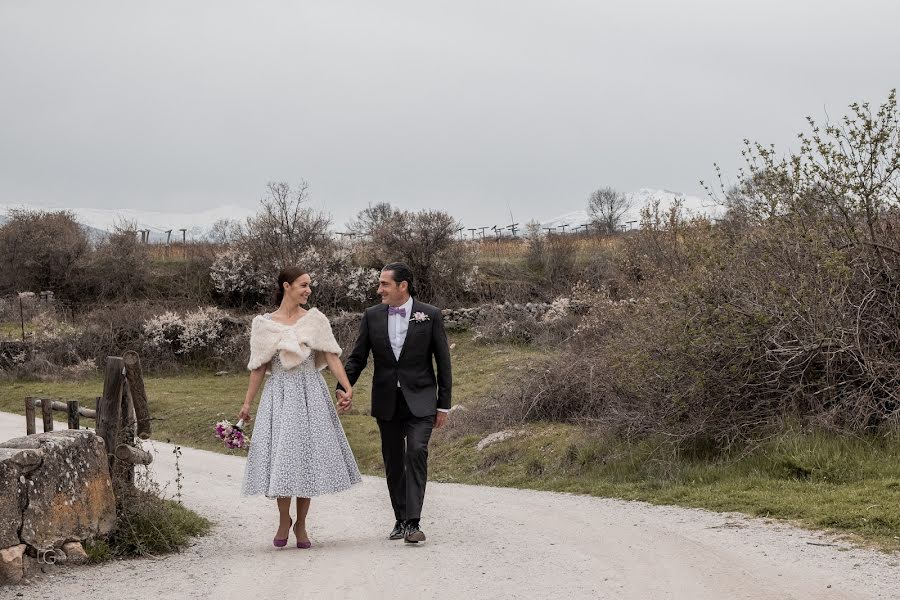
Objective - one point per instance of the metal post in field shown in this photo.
(22, 316)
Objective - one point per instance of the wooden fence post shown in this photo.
(29, 416)
(109, 407)
(74, 417)
(134, 375)
(47, 412)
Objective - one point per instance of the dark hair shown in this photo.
(287, 275)
(402, 272)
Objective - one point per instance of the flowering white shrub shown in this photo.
(337, 280)
(163, 329)
(80, 370)
(197, 330)
(234, 273)
(315, 265)
(19, 358)
(201, 328)
(361, 284)
(470, 279)
(558, 310)
(48, 329)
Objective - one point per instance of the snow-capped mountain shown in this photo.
(637, 200)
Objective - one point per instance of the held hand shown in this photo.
(440, 419)
(245, 413)
(345, 401)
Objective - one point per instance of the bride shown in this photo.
(298, 448)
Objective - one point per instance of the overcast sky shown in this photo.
(478, 108)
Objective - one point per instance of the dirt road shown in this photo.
(483, 543)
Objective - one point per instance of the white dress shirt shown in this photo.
(398, 325)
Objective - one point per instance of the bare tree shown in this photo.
(371, 218)
(285, 226)
(606, 208)
(224, 231)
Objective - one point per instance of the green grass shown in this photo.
(12, 330)
(148, 526)
(818, 480)
(815, 479)
(185, 408)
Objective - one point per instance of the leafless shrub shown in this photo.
(551, 257)
(118, 269)
(345, 327)
(372, 218)
(42, 251)
(787, 312)
(425, 240)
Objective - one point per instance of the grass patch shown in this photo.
(818, 480)
(148, 525)
(185, 408)
(12, 330)
(815, 479)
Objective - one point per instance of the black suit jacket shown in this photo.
(424, 392)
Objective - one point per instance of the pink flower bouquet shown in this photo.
(232, 435)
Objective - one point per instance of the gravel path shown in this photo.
(483, 543)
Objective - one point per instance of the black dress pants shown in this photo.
(404, 448)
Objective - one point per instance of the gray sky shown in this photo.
(472, 107)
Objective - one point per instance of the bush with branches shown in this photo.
(785, 312)
(42, 250)
(426, 241)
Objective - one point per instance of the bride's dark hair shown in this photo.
(287, 275)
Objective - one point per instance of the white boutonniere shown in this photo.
(419, 317)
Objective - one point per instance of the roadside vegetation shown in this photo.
(750, 363)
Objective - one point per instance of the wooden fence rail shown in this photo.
(71, 407)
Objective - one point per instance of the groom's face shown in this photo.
(391, 292)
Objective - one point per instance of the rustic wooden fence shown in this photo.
(121, 415)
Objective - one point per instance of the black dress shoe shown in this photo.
(414, 535)
(398, 531)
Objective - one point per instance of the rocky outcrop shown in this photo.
(56, 490)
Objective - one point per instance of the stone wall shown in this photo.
(55, 492)
(460, 319)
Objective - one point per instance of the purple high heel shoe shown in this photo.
(305, 545)
(278, 543)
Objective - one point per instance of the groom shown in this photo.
(403, 335)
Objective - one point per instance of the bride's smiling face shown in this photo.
(299, 290)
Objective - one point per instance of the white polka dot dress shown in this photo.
(298, 446)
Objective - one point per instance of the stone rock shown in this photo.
(31, 566)
(498, 436)
(12, 569)
(69, 496)
(75, 554)
(458, 408)
(14, 465)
